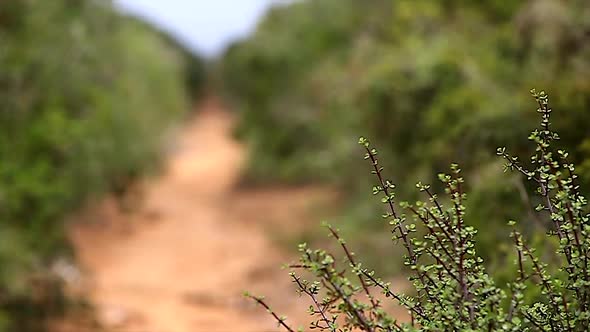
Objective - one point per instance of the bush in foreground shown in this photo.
(452, 290)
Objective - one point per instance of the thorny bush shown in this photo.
(451, 289)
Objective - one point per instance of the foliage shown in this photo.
(86, 97)
(194, 67)
(452, 290)
(434, 81)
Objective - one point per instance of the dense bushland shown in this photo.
(452, 291)
(435, 82)
(86, 96)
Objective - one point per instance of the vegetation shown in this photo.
(452, 290)
(86, 97)
(434, 81)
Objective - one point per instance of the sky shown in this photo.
(205, 26)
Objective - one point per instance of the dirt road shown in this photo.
(182, 259)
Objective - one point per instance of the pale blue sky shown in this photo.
(206, 26)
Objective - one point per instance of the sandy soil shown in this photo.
(182, 259)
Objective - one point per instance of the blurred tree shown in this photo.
(432, 82)
(86, 96)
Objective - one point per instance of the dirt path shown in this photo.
(180, 262)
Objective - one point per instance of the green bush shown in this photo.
(434, 81)
(86, 97)
(452, 290)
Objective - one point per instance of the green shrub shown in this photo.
(434, 81)
(86, 97)
(452, 289)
